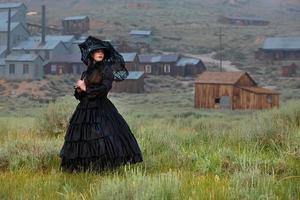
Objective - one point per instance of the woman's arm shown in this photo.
(79, 94)
(101, 90)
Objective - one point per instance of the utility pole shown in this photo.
(8, 32)
(220, 46)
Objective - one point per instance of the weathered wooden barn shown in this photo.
(289, 70)
(134, 83)
(232, 90)
(131, 61)
(75, 25)
(244, 21)
(65, 64)
(141, 40)
(187, 66)
(279, 48)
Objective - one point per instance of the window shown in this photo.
(53, 68)
(269, 99)
(167, 68)
(11, 68)
(25, 68)
(148, 68)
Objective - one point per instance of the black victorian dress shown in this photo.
(97, 136)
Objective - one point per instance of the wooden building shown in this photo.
(232, 90)
(244, 21)
(75, 25)
(187, 66)
(140, 40)
(279, 48)
(131, 61)
(134, 83)
(289, 70)
(18, 12)
(65, 64)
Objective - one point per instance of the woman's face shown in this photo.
(98, 55)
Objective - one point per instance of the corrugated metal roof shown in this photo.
(32, 44)
(187, 61)
(75, 17)
(134, 75)
(252, 18)
(23, 57)
(67, 58)
(284, 43)
(63, 38)
(129, 57)
(3, 26)
(10, 5)
(259, 90)
(220, 77)
(164, 58)
(140, 32)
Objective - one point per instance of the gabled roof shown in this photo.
(31, 44)
(134, 75)
(23, 57)
(187, 61)
(286, 43)
(129, 57)
(140, 32)
(11, 5)
(63, 38)
(230, 78)
(162, 58)
(75, 17)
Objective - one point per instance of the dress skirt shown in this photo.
(98, 138)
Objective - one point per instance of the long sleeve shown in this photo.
(79, 95)
(102, 89)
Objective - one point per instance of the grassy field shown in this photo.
(188, 153)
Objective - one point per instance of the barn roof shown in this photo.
(23, 57)
(285, 43)
(75, 17)
(251, 18)
(129, 57)
(134, 75)
(63, 38)
(3, 26)
(258, 90)
(66, 58)
(151, 58)
(187, 61)
(220, 77)
(11, 5)
(140, 32)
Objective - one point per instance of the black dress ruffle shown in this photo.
(98, 137)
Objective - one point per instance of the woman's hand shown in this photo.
(80, 85)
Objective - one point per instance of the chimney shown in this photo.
(43, 41)
(8, 32)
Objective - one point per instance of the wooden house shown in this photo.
(18, 33)
(140, 40)
(289, 70)
(18, 12)
(65, 64)
(131, 61)
(134, 83)
(25, 66)
(187, 66)
(279, 48)
(75, 25)
(243, 20)
(232, 90)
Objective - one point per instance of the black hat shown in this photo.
(111, 56)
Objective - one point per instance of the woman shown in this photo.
(98, 137)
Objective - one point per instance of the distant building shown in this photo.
(279, 48)
(18, 12)
(141, 40)
(75, 25)
(170, 64)
(25, 66)
(232, 90)
(18, 33)
(245, 21)
(65, 64)
(289, 70)
(131, 61)
(134, 83)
